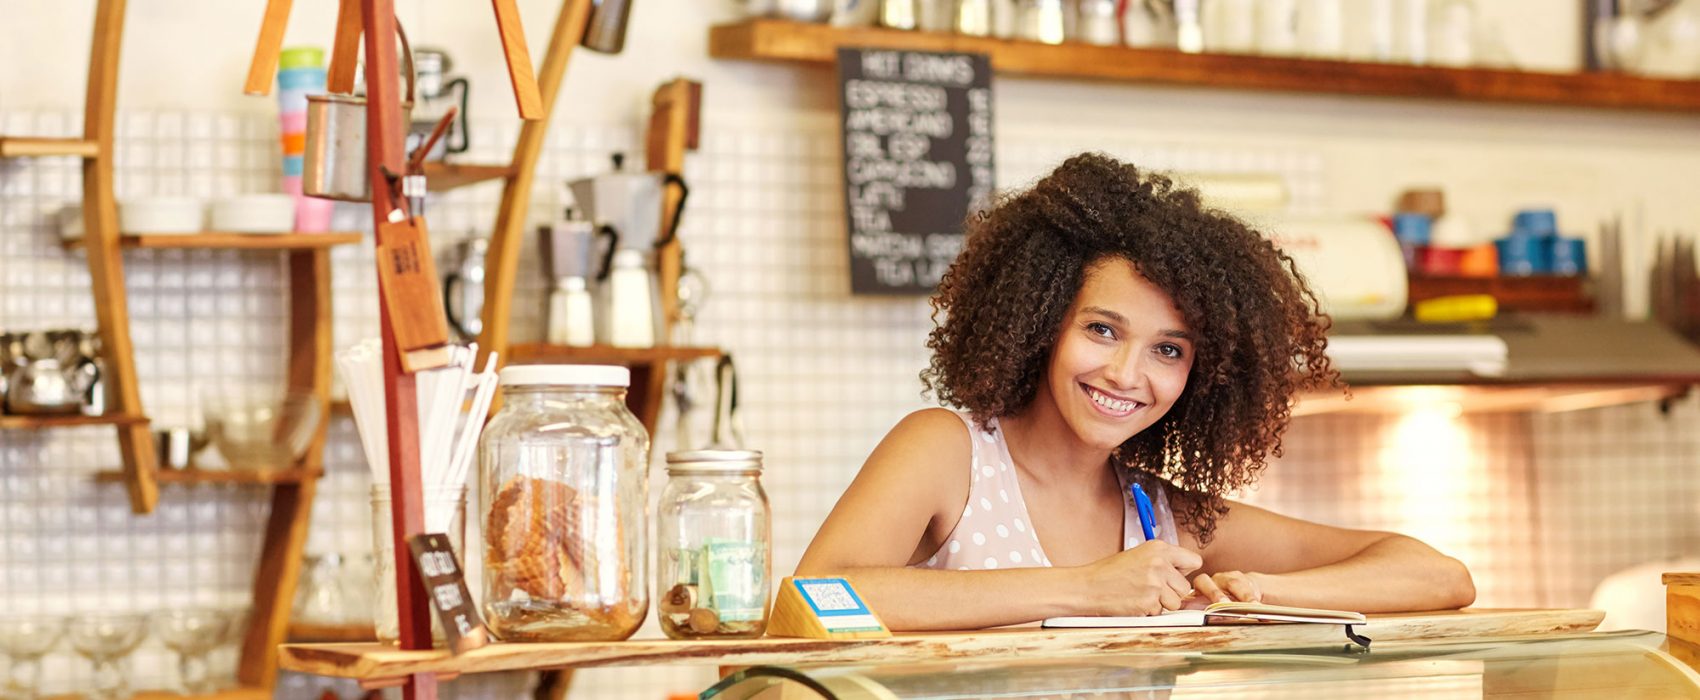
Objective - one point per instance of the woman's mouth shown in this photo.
(1110, 404)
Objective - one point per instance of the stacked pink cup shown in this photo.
(301, 71)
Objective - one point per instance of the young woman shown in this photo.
(1099, 330)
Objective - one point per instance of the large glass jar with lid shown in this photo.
(564, 468)
(714, 533)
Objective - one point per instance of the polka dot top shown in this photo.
(995, 531)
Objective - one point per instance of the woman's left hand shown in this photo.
(1226, 586)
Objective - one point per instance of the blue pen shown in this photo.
(1142, 503)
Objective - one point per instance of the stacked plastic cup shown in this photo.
(301, 71)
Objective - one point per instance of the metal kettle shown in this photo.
(54, 377)
(463, 289)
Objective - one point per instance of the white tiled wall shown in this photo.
(1540, 506)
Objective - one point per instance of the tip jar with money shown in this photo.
(713, 535)
(564, 469)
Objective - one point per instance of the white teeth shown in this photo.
(1116, 405)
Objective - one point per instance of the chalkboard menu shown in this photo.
(917, 159)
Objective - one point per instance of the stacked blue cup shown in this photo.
(1535, 248)
(1414, 231)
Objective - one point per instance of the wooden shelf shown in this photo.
(1546, 293)
(233, 241)
(300, 633)
(442, 177)
(32, 146)
(34, 422)
(543, 353)
(778, 40)
(379, 662)
(243, 693)
(1543, 398)
(217, 476)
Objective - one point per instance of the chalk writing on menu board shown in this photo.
(917, 159)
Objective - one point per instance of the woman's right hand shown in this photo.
(1145, 580)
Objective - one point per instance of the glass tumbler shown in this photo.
(442, 504)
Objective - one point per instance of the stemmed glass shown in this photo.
(24, 640)
(105, 639)
(192, 633)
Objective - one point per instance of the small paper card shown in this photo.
(445, 586)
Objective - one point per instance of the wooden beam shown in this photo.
(345, 48)
(279, 568)
(508, 237)
(106, 264)
(384, 134)
(263, 66)
(512, 34)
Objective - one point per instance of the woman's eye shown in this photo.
(1101, 330)
(1171, 351)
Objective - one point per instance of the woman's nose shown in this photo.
(1126, 369)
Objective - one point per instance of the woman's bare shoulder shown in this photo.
(935, 435)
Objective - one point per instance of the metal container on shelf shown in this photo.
(564, 468)
(715, 542)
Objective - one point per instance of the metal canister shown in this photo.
(334, 165)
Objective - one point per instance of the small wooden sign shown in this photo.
(408, 278)
(445, 586)
(823, 608)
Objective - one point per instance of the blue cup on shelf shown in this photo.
(1413, 229)
(1541, 223)
(1569, 257)
(310, 79)
(1523, 255)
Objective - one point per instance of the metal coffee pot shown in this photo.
(55, 376)
(629, 203)
(438, 91)
(463, 289)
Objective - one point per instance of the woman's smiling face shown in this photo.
(1122, 358)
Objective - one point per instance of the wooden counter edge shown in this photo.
(372, 661)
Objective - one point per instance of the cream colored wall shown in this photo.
(192, 55)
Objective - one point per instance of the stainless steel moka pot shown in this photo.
(627, 206)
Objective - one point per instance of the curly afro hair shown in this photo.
(1260, 329)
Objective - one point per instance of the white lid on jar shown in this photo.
(713, 461)
(566, 375)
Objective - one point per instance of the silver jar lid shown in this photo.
(713, 461)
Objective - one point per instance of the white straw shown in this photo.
(447, 441)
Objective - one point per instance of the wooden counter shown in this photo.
(375, 662)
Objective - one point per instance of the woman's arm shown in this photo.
(908, 496)
(1288, 561)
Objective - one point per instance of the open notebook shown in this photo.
(1227, 613)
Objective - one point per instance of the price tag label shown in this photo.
(445, 586)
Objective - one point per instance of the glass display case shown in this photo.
(1598, 665)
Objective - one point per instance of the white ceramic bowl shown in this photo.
(254, 213)
(160, 215)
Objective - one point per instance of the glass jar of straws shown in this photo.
(564, 471)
